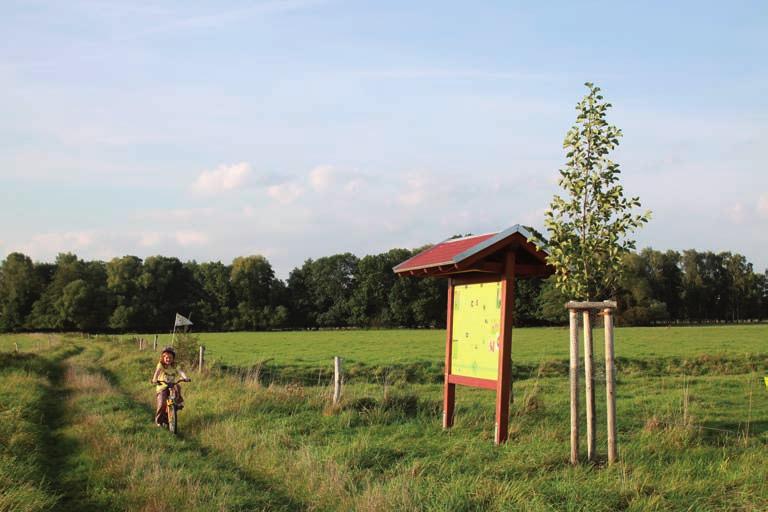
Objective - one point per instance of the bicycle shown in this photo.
(171, 408)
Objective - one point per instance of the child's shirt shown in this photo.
(167, 374)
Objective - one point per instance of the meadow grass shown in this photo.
(27, 342)
(26, 415)
(529, 345)
(696, 441)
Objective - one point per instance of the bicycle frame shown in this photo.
(171, 410)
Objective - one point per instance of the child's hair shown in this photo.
(167, 350)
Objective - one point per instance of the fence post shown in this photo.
(610, 384)
(154, 344)
(337, 377)
(201, 361)
(16, 346)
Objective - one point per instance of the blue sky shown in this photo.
(304, 128)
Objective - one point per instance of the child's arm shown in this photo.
(183, 375)
(155, 375)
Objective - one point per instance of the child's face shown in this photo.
(167, 358)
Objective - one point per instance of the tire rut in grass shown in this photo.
(61, 448)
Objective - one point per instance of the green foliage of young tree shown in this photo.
(589, 227)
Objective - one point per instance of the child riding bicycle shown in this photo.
(167, 372)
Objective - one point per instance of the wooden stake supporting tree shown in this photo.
(587, 310)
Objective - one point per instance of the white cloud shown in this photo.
(736, 213)
(178, 214)
(321, 177)
(150, 239)
(222, 179)
(77, 240)
(414, 193)
(286, 192)
(354, 186)
(48, 245)
(762, 206)
(186, 238)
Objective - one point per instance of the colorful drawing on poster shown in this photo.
(476, 334)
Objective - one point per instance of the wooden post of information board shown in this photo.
(574, 377)
(449, 389)
(504, 380)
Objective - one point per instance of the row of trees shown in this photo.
(128, 294)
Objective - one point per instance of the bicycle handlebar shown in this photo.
(173, 383)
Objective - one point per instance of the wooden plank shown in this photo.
(589, 382)
(487, 266)
(504, 382)
(510, 244)
(606, 304)
(574, 377)
(610, 385)
(472, 382)
(411, 270)
(532, 270)
(475, 279)
(449, 389)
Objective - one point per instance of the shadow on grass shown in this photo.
(724, 432)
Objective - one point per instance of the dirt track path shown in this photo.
(105, 453)
(62, 447)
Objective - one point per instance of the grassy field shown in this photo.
(76, 431)
(530, 345)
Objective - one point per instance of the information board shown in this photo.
(476, 333)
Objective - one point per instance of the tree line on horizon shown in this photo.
(128, 294)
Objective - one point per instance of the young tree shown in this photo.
(588, 228)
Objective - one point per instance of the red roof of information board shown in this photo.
(476, 254)
(443, 253)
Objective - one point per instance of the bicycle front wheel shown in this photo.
(172, 419)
